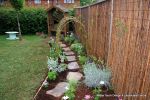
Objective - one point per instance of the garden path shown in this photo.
(73, 73)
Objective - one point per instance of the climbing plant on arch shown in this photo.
(64, 22)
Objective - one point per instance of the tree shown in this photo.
(18, 5)
(86, 2)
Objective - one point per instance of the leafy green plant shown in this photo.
(94, 75)
(55, 50)
(52, 75)
(71, 89)
(71, 12)
(97, 91)
(86, 2)
(53, 65)
(62, 67)
(62, 58)
(83, 59)
(69, 38)
(78, 48)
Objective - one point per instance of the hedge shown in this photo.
(32, 20)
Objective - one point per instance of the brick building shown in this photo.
(46, 3)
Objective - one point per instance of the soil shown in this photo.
(42, 94)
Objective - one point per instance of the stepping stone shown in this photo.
(69, 53)
(66, 49)
(74, 76)
(62, 45)
(71, 58)
(73, 65)
(59, 90)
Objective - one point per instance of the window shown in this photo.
(37, 1)
(68, 1)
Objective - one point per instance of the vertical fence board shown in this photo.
(129, 55)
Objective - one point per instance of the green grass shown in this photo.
(22, 67)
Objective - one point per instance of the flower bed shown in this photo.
(73, 75)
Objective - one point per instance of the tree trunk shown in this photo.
(20, 36)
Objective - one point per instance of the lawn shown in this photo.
(22, 67)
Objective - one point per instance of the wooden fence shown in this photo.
(118, 31)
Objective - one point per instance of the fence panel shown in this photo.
(128, 54)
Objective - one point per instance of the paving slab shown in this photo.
(74, 76)
(73, 66)
(59, 90)
(66, 49)
(71, 58)
(63, 45)
(69, 53)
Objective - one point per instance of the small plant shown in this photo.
(97, 91)
(94, 75)
(71, 89)
(83, 59)
(51, 42)
(52, 75)
(55, 50)
(62, 58)
(69, 38)
(45, 84)
(78, 48)
(62, 67)
(54, 66)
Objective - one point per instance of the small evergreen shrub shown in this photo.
(52, 75)
(53, 65)
(94, 75)
(78, 48)
(71, 90)
(83, 59)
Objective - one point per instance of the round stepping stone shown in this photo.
(59, 90)
(74, 76)
(69, 53)
(62, 45)
(73, 65)
(71, 58)
(66, 49)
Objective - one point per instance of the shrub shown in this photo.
(52, 75)
(94, 75)
(31, 20)
(55, 50)
(71, 90)
(62, 58)
(78, 48)
(97, 91)
(83, 59)
(54, 66)
(69, 38)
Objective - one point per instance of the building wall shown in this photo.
(45, 4)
